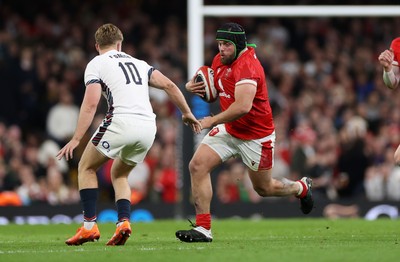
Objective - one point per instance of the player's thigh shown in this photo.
(91, 158)
(205, 159)
(216, 147)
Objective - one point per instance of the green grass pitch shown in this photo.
(234, 240)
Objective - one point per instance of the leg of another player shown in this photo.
(90, 161)
(119, 177)
(203, 162)
(265, 185)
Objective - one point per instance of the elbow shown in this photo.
(242, 112)
(90, 109)
(244, 109)
(169, 86)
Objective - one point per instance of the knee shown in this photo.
(195, 166)
(83, 168)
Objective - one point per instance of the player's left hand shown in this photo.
(67, 150)
(207, 122)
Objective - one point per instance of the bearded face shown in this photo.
(227, 50)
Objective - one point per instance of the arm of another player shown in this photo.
(391, 73)
(160, 81)
(244, 96)
(88, 109)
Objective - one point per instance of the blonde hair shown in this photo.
(107, 35)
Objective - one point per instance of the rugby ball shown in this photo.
(206, 74)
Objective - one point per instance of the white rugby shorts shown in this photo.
(257, 154)
(126, 137)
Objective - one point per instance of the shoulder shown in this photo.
(97, 60)
(250, 55)
(248, 60)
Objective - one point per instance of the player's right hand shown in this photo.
(196, 88)
(67, 150)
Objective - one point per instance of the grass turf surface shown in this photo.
(234, 240)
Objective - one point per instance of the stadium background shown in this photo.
(335, 119)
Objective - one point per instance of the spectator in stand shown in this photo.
(57, 192)
(233, 184)
(166, 176)
(352, 143)
(304, 137)
(29, 191)
(62, 118)
(138, 180)
(46, 155)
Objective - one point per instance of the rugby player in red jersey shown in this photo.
(244, 129)
(390, 60)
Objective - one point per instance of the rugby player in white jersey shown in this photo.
(126, 133)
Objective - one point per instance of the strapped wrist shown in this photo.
(389, 78)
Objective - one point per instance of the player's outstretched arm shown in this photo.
(160, 81)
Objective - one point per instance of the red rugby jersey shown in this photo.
(395, 46)
(258, 122)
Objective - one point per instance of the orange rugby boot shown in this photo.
(84, 235)
(122, 233)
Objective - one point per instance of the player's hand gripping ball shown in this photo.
(206, 74)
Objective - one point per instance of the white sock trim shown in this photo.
(88, 225)
(300, 188)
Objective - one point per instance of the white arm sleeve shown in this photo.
(390, 79)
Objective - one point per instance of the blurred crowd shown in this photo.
(335, 120)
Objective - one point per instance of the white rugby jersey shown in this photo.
(124, 82)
